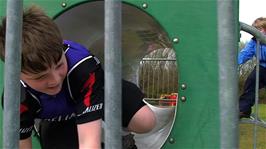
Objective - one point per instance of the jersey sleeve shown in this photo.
(132, 101)
(86, 88)
(28, 107)
(26, 121)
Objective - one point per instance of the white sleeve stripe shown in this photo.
(68, 84)
(67, 48)
(78, 64)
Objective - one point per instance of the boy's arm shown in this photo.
(248, 52)
(89, 112)
(86, 84)
(89, 135)
(25, 144)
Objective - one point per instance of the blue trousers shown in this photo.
(247, 99)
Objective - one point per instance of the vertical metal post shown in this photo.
(258, 47)
(227, 50)
(112, 57)
(12, 73)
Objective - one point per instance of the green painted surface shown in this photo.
(194, 23)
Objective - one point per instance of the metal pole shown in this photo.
(256, 93)
(227, 47)
(253, 31)
(112, 57)
(12, 73)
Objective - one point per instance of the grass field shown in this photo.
(246, 132)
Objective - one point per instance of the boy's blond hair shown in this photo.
(260, 23)
(42, 44)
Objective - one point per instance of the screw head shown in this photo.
(171, 140)
(144, 5)
(64, 4)
(183, 86)
(183, 98)
(175, 40)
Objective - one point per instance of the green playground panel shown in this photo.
(194, 23)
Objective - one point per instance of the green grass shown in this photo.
(246, 132)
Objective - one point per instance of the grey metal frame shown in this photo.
(253, 31)
(12, 74)
(113, 74)
(155, 77)
(228, 89)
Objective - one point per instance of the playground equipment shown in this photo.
(202, 34)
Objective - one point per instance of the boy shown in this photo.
(62, 84)
(247, 99)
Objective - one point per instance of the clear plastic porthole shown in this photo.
(148, 58)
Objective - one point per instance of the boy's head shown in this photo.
(42, 44)
(260, 24)
(43, 65)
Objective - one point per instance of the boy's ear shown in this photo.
(263, 31)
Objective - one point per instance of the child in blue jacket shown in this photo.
(247, 99)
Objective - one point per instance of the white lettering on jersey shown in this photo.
(92, 108)
(25, 130)
(61, 118)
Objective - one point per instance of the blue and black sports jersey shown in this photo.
(81, 96)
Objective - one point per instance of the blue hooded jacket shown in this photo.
(250, 51)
